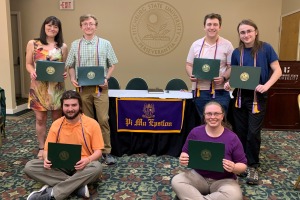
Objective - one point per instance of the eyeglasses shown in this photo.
(216, 114)
(246, 32)
(88, 24)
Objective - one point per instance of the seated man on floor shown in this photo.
(73, 128)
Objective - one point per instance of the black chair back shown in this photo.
(113, 83)
(176, 84)
(137, 84)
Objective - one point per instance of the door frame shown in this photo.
(22, 69)
(280, 31)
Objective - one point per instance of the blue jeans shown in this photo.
(221, 96)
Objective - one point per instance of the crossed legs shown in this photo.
(191, 185)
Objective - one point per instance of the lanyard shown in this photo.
(83, 135)
(97, 52)
(200, 52)
(212, 86)
(242, 58)
(238, 101)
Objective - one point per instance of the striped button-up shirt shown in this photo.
(95, 52)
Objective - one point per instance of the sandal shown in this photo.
(40, 154)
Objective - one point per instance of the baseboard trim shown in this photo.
(19, 108)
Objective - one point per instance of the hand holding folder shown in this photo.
(51, 71)
(90, 75)
(206, 68)
(244, 77)
(64, 156)
(206, 155)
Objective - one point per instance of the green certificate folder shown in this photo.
(90, 75)
(244, 77)
(206, 68)
(64, 156)
(51, 71)
(206, 155)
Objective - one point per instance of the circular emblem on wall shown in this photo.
(206, 154)
(64, 155)
(156, 28)
(244, 76)
(206, 68)
(50, 70)
(91, 75)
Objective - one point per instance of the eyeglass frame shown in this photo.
(246, 32)
(215, 114)
(88, 24)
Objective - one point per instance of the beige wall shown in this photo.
(290, 6)
(6, 66)
(114, 24)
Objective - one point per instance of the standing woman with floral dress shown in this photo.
(45, 96)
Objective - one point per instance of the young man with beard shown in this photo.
(73, 128)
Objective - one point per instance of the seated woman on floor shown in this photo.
(202, 184)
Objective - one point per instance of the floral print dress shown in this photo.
(44, 95)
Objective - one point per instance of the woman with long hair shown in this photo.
(45, 96)
(250, 105)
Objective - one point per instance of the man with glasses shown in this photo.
(251, 105)
(91, 50)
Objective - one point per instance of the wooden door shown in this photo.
(289, 40)
(282, 106)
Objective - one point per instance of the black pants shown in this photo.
(248, 126)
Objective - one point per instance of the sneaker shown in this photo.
(83, 192)
(252, 177)
(43, 194)
(109, 159)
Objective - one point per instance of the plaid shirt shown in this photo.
(84, 53)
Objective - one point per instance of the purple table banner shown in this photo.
(150, 115)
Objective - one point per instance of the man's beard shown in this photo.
(73, 116)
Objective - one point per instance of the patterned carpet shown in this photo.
(145, 177)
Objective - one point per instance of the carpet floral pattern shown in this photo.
(144, 177)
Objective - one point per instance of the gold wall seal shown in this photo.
(206, 68)
(206, 154)
(50, 70)
(156, 28)
(64, 155)
(91, 75)
(244, 76)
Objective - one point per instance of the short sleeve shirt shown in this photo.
(86, 132)
(95, 52)
(265, 56)
(233, 149)
(223, 51)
